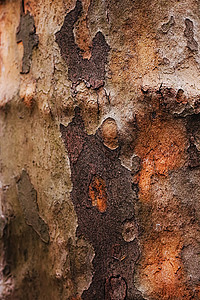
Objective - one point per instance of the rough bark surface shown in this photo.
(100, 149)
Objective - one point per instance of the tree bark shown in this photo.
(100, 149)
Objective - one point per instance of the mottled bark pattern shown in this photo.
(100, 150)
(115, 259)
(90, 70)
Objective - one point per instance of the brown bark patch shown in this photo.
(100, 181)
(115, 288)
(90, 70)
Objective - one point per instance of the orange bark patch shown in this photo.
(161, 274)
(161, 146)
(97, 193)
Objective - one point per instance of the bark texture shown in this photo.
(100, 149)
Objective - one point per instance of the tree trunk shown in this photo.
(100, 149)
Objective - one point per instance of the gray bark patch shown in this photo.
(26, 33)
(28, 201)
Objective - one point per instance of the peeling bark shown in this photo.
(100, 150)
